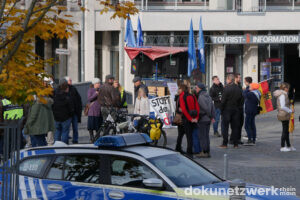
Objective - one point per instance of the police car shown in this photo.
(118, 167)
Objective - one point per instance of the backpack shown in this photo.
(258, 96)
(192, 113)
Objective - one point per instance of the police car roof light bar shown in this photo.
(123, 140)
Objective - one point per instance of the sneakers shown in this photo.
(293, 148)
(249, 143)
(203, 155)
(285, 149)
(217, 134)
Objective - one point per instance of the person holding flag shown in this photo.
(284, 114)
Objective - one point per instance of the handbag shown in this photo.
(87, 108)
(178, 116)
(177, 119)
(283, 115)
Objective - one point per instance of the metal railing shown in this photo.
(172, 40)
(10, 139)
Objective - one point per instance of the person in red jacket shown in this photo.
(189, 108)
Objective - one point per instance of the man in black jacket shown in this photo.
(231, 102)
(216, 92)
(76, 118)
(63, 110)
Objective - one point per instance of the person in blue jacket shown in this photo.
(252, 101)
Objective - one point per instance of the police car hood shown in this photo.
(252, 191)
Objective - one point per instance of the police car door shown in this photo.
(127, 178)
(74, 177)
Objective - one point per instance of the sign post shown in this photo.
(62, 51)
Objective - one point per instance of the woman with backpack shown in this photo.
(284, 112)
(252, 101)
(190, 115)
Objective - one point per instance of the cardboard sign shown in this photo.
(163, 108)
(173, 88)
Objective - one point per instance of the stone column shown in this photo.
(250, 62)
(89, 40)
(73, 57)
(218, 62)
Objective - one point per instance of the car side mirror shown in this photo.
(153, 183)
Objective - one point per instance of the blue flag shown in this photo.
(201, 48)
(129, 35)
(192, 60)
(139, 34)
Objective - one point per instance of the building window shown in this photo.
(114, 63)
(98, 54)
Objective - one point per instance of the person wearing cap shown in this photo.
(63, 110)
(206, 116)
(109, 98)
(76, 118)
(252, 97)
(94, 114)
(137, 81)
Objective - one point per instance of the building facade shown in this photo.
(257, 38)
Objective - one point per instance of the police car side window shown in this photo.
(129, 172)
(77, 168)
(33, 166)
(56, 169)
(82, 168)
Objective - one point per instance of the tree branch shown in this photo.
(20, 37)
(3, 3)
(8, 13)
(15, 36)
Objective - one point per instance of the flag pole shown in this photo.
(292, 120)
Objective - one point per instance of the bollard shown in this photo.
(225, 176)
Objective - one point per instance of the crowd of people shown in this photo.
(229, 106)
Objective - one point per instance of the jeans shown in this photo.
(250, 126)
(217, 119)
(204, 136)
(196, 140)
(62, 131)
(231, 117)
(38, 140)
(75, 128)
(285, 137)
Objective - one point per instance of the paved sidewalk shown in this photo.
(261, 164)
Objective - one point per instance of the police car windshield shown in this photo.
(182, 171)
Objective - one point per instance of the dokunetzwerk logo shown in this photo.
(249, 191)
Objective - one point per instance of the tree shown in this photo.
(21, 70)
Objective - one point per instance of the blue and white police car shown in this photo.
(121, 167)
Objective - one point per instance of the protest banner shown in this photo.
(163, 108)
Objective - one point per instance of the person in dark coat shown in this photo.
(206, 116)
(252, 100)
(76, 118)
(94, 114)
(109, 98)
(216, 92)
(137, 81)
(238, 82)
(232, 101)
(63, 110)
